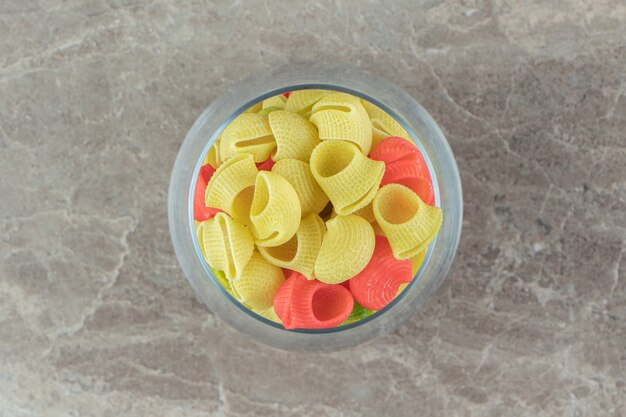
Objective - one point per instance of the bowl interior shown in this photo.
(214, 277)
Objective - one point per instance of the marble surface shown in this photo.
(96, 318)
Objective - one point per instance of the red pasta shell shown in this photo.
(404, 164)
(200, 211)
(378, 283)
(310, 304)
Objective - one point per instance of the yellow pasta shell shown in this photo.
(275, 212)
(340, 116)
(224, 282)
(229, 181)
(346, 249)
(213, 156)
(226, 244)
(302, 101)
(277, 101)
(349, 178)
(312, 197)
(383, 125)
(200, 235)
(418, 260)
(300, 252)
(258, 283)
(269, 314)
(295, 136)
(408, 222)
(249, 133)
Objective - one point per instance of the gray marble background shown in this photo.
(96, 318)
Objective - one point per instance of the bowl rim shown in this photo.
(203, 134)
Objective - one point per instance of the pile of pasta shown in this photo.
(314, 209)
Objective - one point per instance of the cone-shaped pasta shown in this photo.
(383, 125)
(295, 136)
(258, 283)
(300, 252)
(312, 197)
(277, 101)
(229, 181)
(349, 178)
(255, 108)
(275, 212)
(213, 157)
(249, 133)
(340, 116)
(302, 101)
(226, 244)
(378, 283)
(346, 249)
(408, 222)
(269, 314)
(304, 304)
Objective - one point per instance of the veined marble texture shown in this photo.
(96, 318)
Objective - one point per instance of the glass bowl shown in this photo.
(391, 98)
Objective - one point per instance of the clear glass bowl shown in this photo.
(391, 98)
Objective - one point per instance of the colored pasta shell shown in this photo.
(249, 133)
(277, 101)
(304, 304)
(383, 125)
(346, 249)
(302, 101)
(229, 182)
(300, 252)
(423, 187)
(226, 244)
(394, 149)
(295, 136)
(275, 211)
(340, 116)
(258, 283)
(417, 261)
(408, 222)
(349, 178)
(200, 211)
(404, 164)
(378, 283)
(312, 197)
